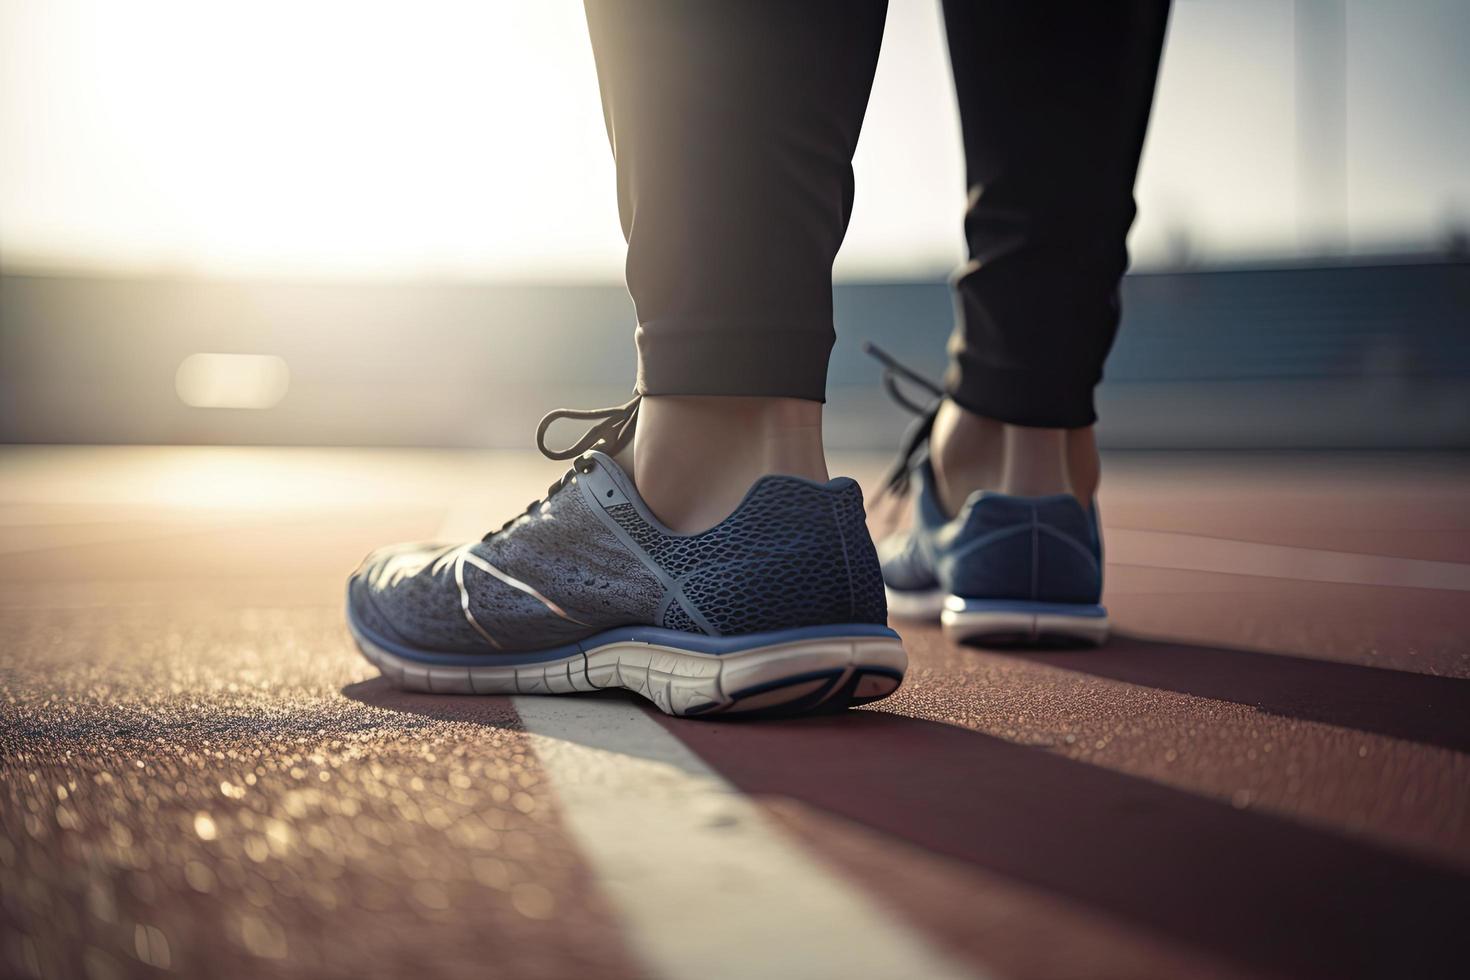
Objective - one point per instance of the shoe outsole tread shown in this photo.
(814, 676)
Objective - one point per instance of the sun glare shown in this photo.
(444, 138)
(464, 139)
(318, 137)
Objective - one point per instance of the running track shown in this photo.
(1267, 774)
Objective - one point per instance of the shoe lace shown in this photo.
(896, 480)
(611, 433)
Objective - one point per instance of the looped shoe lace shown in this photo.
(896, 480)
(611, 434)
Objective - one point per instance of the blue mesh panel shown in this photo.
(677, 619)
(794, 554)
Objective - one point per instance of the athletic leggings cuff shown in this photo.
(684, 356)
(1045, 399)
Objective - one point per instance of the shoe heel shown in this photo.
(1018, 623)
(818, 675)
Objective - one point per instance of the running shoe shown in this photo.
(779, 608)
(1006, 570)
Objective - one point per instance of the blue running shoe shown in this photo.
(1005, 571)
(779, 608)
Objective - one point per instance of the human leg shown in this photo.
(733, 126)
(1006, 544)
(1054, 103)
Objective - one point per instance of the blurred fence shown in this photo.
(1362, 354)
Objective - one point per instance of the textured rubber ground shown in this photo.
(1160, 840)
(806, 677)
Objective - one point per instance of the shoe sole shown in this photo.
(804, 671)
(1005, 622)
(914, 604)
(1027, 624)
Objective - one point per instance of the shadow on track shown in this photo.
(1415, 707)
(488, 711)
(1259, 890)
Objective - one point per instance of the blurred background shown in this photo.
(394, 224)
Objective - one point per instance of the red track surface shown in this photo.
(1260, 776)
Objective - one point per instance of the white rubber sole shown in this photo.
(1003, 623)
(926, 605)
(1022, 624)
(816, 675)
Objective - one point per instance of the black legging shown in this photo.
(733, 123)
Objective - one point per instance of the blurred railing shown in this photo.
(1366, 354)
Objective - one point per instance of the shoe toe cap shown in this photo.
(407, 593)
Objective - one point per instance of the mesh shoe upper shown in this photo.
(1044, 549)
(1036, 549)
(591, 557)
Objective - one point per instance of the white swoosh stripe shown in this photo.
(516, 583)
(464, 601)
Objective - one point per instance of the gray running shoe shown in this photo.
(778, 608)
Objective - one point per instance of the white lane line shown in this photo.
(703, 882)
(1197, 553)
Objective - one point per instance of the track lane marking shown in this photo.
(1199, 553)
(703, 881)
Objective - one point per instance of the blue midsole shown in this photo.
(1079, 609)
(652, 635)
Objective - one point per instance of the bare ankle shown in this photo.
(694, 457)
(971, 452)
(967, 453)
(1036, 462)
(1084, 465)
